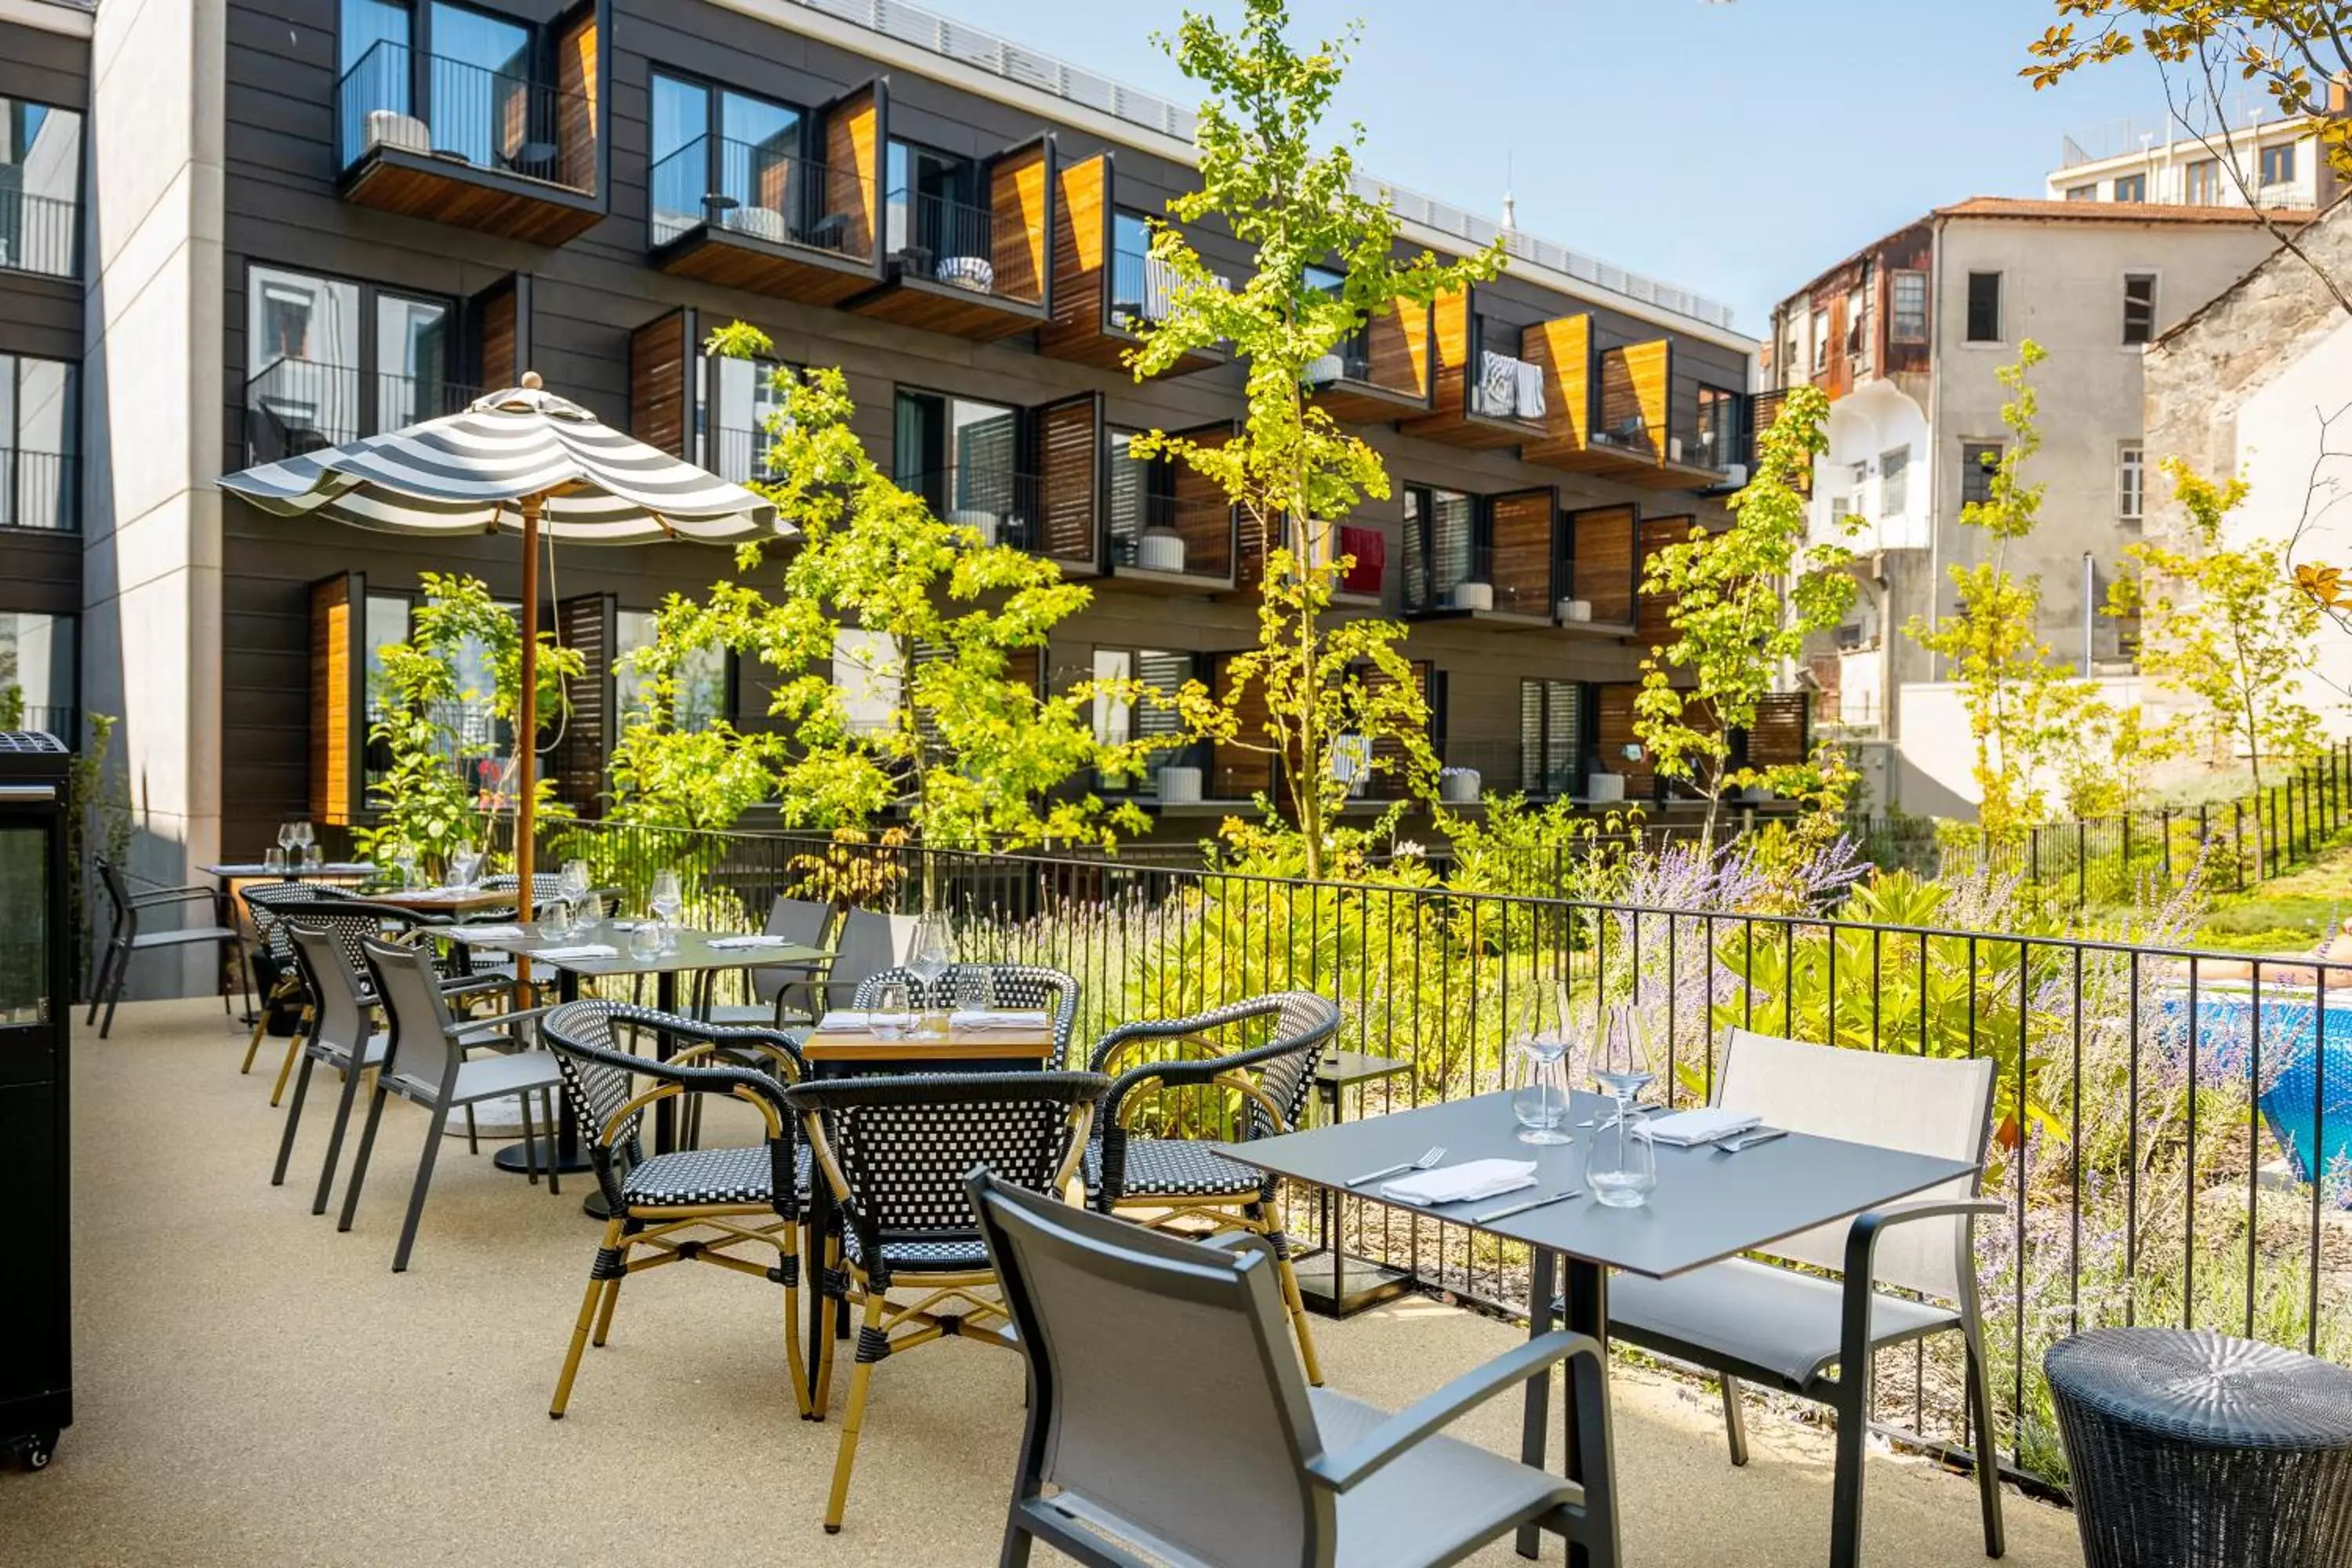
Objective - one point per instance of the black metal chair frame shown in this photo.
(833, 1112)
(1201, 1064)
(1031, 986)
(123, 939)
(610, 1113)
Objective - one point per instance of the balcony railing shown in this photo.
(297, 406)
(1002, 504)
(759, 192)
(466, 114)
(1203, 524)
(39, 234)
(741, 455)
(948, 242)
(1465, 579)
(39, 491)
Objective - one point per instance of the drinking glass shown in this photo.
(1623, 1167)
(286, 839)
(464, 866)
(645, 941)
(975, 989)
(303, 838)
(666, 899)
(1539, 1098)
(405, 864)
(892, 1013)
(313, 857)
(553, 925)
(273, 860)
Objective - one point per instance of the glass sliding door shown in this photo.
(37, 422)
(302, 357)
(413, 354)
(480, 89)
(681, 164)
(759, 163)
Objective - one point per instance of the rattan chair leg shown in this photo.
(253, 1046)
(854, 1417)
(1311, 1362)
(611, 1299)
(796, 1364)
(599, 1290)
(821, 1307)
(293, 1117)
(1735, 1420)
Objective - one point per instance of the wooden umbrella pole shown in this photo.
(527, 713)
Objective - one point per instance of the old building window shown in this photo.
(1909, 308)
(1895, 482)
(2131, 475)
(1821, 340)
(1978, 460)
(2139, 307)
(2278, 164)
(2131, 187)
(2204, 182)
(2089, 193)
(1984, 307)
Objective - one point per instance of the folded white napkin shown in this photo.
(583, 949)
(842, 1021)
(1460, 1183)
(753, 941)
(406, 894)
(1685, 1128)
(998, 1018)
(492, 933)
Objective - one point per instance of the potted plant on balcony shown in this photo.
(1458, 786)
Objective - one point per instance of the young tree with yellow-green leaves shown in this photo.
(1337, 697)
(1744, 599)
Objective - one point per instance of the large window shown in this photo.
(1978, 460)
(2131, 188)
(2131, 480)
(962, 455)
(725, 157)
(1551, 715)
(1908, 311)
(1820, 342)
(330, 361)
(1895, 482)
(39, 667)
(1984, 307)
(2139, 307)
(1118, 718)
(701, 697)
(1440, 544)
(40, 188)
(747, 403)
(2278, 164)
(934, 212)
(870, 676)
(2089, 193)
(2203, 188)
(37, 422)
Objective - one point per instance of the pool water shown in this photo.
(2306, 1052)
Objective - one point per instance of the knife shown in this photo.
(1507, 1210)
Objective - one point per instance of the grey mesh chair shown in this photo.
(342, 1037)
(1174, 1428)
(125, 940)
(868, 943)
(426, 1062)
(802, 921)
(695, 1205)
(1264, 1050)
(893, 1153)
(1024, 985)
(1754, 1320)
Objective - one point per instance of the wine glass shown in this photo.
(892, 1014)
(933, 956)
(571, 888)
(1540, 1103)
(286, 840)
(1623, 1167)
(405, 864)
(305, 841)
(464, 866)
(665, 899)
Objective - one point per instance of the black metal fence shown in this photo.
(2174, 1130)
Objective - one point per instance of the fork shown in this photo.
(1436, 1152)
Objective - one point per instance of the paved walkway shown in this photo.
(255, 1389)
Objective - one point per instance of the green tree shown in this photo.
(2023, 708)
(891, 651)
(2226, 626)
(436, 799)
(1337, 697)
(1743, 600)
(701, 776)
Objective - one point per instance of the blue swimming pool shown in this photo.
(2307, 1053)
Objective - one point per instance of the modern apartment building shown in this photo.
(317, 220)
(2276, 163)
(1908, 336)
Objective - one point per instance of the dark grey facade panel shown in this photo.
(44, 66)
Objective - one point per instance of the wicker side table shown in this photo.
(2193, 1450)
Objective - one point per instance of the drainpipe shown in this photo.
(2089, 583)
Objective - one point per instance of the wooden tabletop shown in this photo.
(961, 1045)
(447, 901)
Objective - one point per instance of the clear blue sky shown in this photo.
(1734, 149)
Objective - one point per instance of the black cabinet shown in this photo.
(36, 1014)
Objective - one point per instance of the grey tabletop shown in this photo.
(695, 950)
(1707, 1205)
(242, 870)
(1337, 1069)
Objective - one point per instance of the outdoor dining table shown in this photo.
(450, 901)
(258, 870)
(697, 953)
(1707, 1206)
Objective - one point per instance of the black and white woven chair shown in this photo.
(277, 983)
(126, 939)
(699, 1204)
(1016, 986)
(893, 1153)
(1264, 1050)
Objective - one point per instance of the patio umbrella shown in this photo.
(525, 461)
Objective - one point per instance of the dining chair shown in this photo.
(125, 940)
(868, 943)
(1263, 1050)
(1781, 1320)
(697, 1206)
(801, 922)
(277, 984)
(1031, 986)
(1173, 1428)
(893, 1153)
(428, 1062)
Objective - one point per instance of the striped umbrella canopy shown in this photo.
(522, 460)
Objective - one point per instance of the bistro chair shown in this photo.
(125, 939)
(1024, 985)
(1175, 1429)
(893, 1153)
(284, 1005)
(700, 1205)
(1750, 1319)
(426, 1063)
(801, 922)
(1165, 1179)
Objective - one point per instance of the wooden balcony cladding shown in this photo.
(1083, 327)
(1386, 374)
(1764, 410)
(1453, 418)
(589, 623)
(1654, 624)
(539, 177)
(338, 697)
(504, 310)
(1203, 516)
(1631, 421)
(807, 232)
(1782, 733)
(1017, 294)
(1069, 446)
(1613, 732)
(1388, 752)
(1563, 349)
(1601, 545)
(1520, 530)
(663, 356)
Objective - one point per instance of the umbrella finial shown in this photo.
(531, 381)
